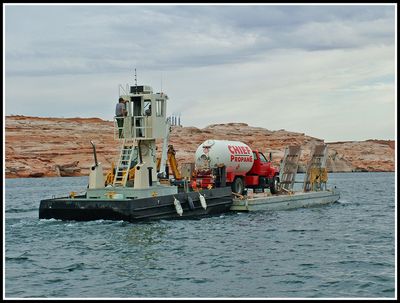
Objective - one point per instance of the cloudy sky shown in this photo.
(324, 70)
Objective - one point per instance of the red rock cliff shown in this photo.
(46, 147)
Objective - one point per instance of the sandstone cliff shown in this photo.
(45, 147)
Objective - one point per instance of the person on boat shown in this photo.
(120, 113)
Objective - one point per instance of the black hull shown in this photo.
(219, 200)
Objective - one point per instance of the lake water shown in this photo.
(343, 250)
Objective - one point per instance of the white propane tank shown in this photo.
(235, 155)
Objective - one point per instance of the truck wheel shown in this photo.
(274, 185)
(238, 186)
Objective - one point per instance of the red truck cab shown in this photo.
(261, 166)
(262, 174)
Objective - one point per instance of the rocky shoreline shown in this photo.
(50, 147)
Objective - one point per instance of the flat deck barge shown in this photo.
(266, 201)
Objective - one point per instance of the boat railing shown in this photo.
(137, 127)
(141, 127)
(118, 130)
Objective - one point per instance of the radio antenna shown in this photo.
(135, 82)
(161, 83)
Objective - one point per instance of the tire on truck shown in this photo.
(238, 185)
(274, 185)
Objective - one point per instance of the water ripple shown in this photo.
(343, 250)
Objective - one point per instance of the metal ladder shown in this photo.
(289, 166)
(317, 164)
(124, 163)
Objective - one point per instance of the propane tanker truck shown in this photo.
(221, 163)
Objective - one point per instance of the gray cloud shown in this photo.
(211, 57)
(99, 38)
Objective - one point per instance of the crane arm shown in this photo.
(172, 163)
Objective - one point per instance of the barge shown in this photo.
(294, 200)
(138, 188)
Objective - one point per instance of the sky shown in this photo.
(328, 71)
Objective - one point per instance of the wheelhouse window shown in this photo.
(159, 107)
(147, 107)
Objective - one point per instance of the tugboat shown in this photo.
(146, 196)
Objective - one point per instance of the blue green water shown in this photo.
(343, 250)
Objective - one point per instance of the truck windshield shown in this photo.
(262, 158)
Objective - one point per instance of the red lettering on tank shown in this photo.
(240, 153)
(241, 158)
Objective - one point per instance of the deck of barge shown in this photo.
(266, 201)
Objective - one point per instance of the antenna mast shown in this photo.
(135, 82)
(135, 78)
